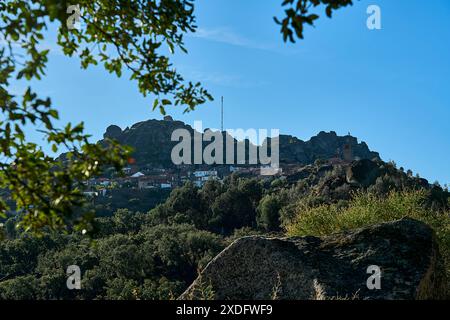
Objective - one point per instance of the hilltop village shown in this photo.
(151, 167)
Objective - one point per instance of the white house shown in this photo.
(202, 176)
(205, 173)
(137, 175)
(90, 194)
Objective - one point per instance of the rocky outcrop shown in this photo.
(364, 172)
(112, 132)
(324, 146)
(151, 141)
(333, 267)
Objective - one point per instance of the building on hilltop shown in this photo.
(138, 175)
(165, 181)
(201, 176)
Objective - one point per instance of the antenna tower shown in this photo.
(221, 116)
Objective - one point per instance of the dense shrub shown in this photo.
(158, 262)
(269, 213)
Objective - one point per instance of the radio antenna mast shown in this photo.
(221, 116)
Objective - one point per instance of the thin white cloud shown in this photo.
(228, 36)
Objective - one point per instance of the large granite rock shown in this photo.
(363, 172)
(333, 267)
(323, 146)
(151, 141)
(112, 132)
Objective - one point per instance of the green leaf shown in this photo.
(155, 104)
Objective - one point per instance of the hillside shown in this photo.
(155, 243)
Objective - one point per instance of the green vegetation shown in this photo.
(156, 262)
(366, 209)
(268, 213)
(157, 254)
(132, 199)
(216, 207)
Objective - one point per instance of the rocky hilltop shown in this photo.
(152, 144)
(325, 145)
(150, 140)
(333, 267)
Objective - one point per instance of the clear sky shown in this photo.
(389, 87)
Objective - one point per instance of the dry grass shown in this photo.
(367, 209)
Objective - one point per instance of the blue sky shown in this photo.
(389, 87)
